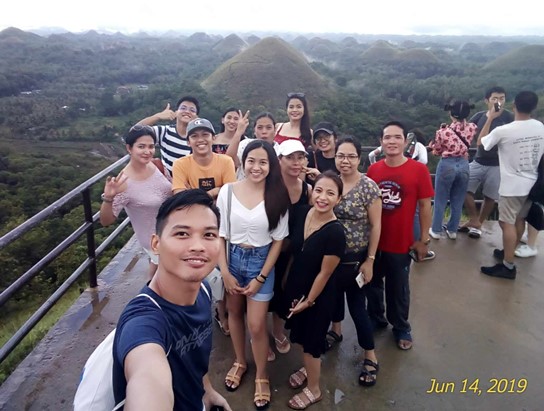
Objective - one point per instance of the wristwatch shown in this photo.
(427, 241)
(106, 199)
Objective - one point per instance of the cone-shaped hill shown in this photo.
(263, 75)
(525, 59)
(230, 46)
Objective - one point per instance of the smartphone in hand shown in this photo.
(413, 255)
(300, 301)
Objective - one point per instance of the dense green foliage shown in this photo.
(65, 101)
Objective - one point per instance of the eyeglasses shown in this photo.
(187, 108)
(323, 137)
(350, 157)
(297, 95)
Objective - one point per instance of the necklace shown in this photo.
(310, 226)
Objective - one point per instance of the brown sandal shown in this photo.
(233, 378)
(298, 378)
(303, 400)
(260, 395)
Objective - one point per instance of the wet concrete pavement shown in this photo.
(466, 327)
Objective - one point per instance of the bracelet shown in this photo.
(106, 199)
(371, 257)
(311, 303)
(259, 281)
(262, 278)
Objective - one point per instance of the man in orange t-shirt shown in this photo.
(202, 169)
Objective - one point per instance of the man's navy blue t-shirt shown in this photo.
(183, 331)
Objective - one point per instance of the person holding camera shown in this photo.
(484, 169)
(451, 180)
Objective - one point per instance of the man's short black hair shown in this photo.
(495, 89)
(182, 200)
(190, 99)
(526, 102)
(395, 123)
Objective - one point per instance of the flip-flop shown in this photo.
(225, 331)
(283, 346)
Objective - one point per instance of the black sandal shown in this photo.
(373, 374)
(333, 340)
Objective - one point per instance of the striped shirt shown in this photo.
(172, 145)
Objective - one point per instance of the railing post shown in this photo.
(91, 248)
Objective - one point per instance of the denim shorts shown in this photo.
(246, 263)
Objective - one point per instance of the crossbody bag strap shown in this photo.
(461, 138)
(229, 205)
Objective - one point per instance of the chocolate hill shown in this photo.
(263, 74)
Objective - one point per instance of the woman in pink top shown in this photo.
(451, 180)
(140, 188)
(298, 127)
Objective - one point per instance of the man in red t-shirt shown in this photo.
(404, 184)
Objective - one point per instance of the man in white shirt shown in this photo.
(521, 146)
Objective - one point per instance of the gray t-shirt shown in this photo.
(491, 157)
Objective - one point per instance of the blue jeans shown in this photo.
(450, 183)
(246, 263)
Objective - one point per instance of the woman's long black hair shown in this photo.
(276, 196)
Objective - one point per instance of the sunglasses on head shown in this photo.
(140, 127)
(298, 95)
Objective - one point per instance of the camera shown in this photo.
(497, 106)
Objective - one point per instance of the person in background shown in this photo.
(258, 223)
(451, 143)
(322, 159)
(203, 168)
(484, 168)
(318, 242)
(360, 211)
(521, 147)
(172, 138)
(298, 127)
(162, 344)
(404, 184)
(415, 148)
(263, 128)
(229, 125)
(140, 189)
(528, 249)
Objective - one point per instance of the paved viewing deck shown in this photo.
(466, 326)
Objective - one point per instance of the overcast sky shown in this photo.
(301, 16)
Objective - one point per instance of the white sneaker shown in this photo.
(525, 251)
(524, 238)
(434, 235)
(451, 235)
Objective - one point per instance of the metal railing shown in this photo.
(87, 229)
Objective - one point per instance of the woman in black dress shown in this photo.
(318, 241)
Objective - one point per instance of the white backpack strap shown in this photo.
(151, 298)
(157, 304)
(205, 290)
(118, 406)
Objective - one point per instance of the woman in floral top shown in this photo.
(360, 212)
(451, 180)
